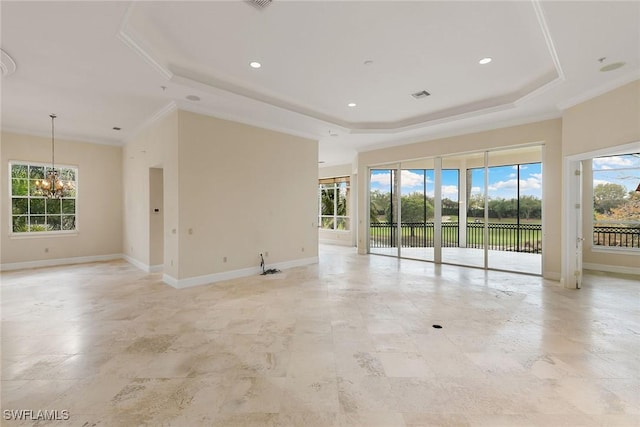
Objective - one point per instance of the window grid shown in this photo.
(333, 201)
(33, 214)
(616, 201)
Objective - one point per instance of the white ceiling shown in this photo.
(103, 64)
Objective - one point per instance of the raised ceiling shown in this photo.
(105, 64)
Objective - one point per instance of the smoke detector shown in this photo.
(421, 94)
(260, 4)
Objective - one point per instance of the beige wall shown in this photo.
(244, 190)
(155, 147)
(548, 133)
(344, 238)
(607, 121)
(99, 209)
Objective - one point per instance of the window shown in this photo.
(333, 200)
(31, 213)
(616, 201)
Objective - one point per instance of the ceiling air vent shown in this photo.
(421, 94)
(260, 4)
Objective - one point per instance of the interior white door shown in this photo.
(578, 222)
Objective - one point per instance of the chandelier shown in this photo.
(52, 186)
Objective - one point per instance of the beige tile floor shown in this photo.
(347, 342)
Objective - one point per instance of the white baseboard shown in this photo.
(611, 268)
(336, 242)
(156, 268)
(170, 280)
(58, 261)
(234, 274)
(142, 266)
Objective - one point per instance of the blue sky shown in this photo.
(502, 181)
(623, 170)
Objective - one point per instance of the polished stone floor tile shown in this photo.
(347, 342)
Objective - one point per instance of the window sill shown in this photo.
(615, 250)
(43, 234)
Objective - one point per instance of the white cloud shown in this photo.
(531, 183)
(381, 178)
(607, 162)
(512, 175)
(510, 183)
(411, 179)
(450, 191)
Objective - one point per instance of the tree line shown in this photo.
(416, 207)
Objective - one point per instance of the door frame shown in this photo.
(571, 274)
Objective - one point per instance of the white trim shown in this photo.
(7, 64)
(41, 234)
(135, 44)
(234, 274)
(618, 250)
(600, 90)
(156, 268)
(155, 118)
(549, 40)
(58, 261)
(139, 264)
(611, 268)
(569, 190)
(170, 280)
(336, 242)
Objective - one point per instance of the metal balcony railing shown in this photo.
(501, 236)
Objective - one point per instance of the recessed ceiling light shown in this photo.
(613, 66)
(368, 62)
(351, 104)
(321, 161)
(116, 128)
(485, 61)
(193, 98)
(255, 64)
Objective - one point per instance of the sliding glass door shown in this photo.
(417, 210)
(383, 210)
(515, 210)
(479, 209)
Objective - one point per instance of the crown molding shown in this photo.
(62, 137)
(152, 120)
(600, 90)
(7, 64)
(128, 37)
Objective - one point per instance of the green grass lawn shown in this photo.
(498, 237)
